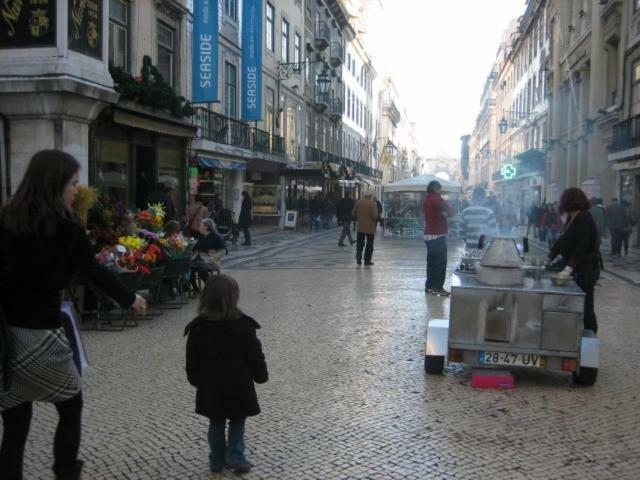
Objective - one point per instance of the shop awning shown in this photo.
(366, 181)
(209, 162)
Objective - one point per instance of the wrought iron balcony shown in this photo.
(323, 35)
(337, 53)
(219, 128)
(626, 134)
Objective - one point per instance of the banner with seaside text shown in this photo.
(205, 51)
(252, 60)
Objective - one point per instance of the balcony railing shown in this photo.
(336, 109)
(228, 131)
(626, 134)
(337, 54)
(359, 168)
(323, 35)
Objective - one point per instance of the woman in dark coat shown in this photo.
(41, 246)
(578, 245)
(244, 220)
(224, 359)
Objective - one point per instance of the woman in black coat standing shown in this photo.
(244, 220)
(41, 246)
(578, 245)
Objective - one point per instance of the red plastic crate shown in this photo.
(491, 379)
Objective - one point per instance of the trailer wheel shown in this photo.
(434, 364)
(585, 376)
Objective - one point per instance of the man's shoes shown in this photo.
(240, 467)
(352, 242)
(216, 468)
(440, 292)
(341, 245)
(359, 262)
(246, 244)
(428, 290)
(368, 263)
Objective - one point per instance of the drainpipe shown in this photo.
(5, 192)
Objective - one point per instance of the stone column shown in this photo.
(53, 86)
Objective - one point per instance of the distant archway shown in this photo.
(444, 176)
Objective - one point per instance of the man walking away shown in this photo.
(597, 212)
(532, 220)
(478, 220)
(436, 211)
(344, 207)
(365, 212)
(615, 217)
(162, 195)
(630, 221)
(379, 206)
(315, 206)
(244, 220)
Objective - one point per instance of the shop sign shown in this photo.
(27, 23)
(251, 60)
(508, 171)
(85, 27)
(204, 76)
(290, 219)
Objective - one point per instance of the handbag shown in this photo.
(6, 352)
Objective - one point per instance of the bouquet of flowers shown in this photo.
(151, 219)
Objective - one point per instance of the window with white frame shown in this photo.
(269, 31)
(166, 52)
(285, 41)
(119, 34)
(231, 9)
(296, 48)
(230, 90)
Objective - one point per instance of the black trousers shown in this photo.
(368, 250)
(616, 240)
(247, 235)
(16, 422)
(586, 280)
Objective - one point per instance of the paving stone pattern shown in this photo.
(348, 397)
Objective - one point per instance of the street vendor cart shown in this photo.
(502, 316)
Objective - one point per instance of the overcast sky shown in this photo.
(439, 53)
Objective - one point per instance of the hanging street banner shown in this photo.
(205, 51)
(251, 60)
(85, 27)
(27, 24)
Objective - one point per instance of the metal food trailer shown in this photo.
(508, 314)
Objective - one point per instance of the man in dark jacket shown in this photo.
(343, 213)
(615, 217)
(244, 220)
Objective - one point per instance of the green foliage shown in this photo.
(150, 89)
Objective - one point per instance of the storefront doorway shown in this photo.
(145, 174)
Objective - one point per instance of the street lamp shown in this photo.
(503, 124)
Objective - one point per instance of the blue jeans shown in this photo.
(436, 263)
(231, 451)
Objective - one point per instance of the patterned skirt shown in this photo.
(42, 368)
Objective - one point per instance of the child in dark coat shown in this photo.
(224, 359)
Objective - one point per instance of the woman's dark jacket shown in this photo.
(578, 244)
(34, 269)
(224, 359)
(244, 220)
(211, 241)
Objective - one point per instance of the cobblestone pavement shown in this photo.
(348, 397)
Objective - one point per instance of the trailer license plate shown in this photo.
(516, 359)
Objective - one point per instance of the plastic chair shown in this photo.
(175, 268)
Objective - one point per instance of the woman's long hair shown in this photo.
(37, 205)
(219, 299)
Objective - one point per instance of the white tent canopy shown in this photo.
(419, 184)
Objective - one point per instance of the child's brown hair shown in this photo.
(219, 299)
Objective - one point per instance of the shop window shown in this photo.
(112, 173)
(118, 34)
(170, 168)
(166, 52)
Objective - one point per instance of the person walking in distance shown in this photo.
(597, 212)
(344, 207)
(244, 220)
(630, 221)
(224, 360)
(615, 216)
(365, 212)
(436, 212)
(42, 244)
(478, 220)
(195, 213)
